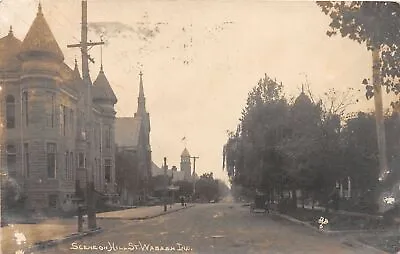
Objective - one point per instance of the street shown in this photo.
(207, 228)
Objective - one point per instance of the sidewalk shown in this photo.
(54, 231)
(142, 213)
(20, 236)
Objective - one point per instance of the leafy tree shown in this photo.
(207, 187)
(376, 24)
(126, 171)
(361, 158)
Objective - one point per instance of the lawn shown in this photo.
(337, 222)
(388, 243)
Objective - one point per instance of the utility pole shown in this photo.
(83, 45)
(165, 184)
(194, 175)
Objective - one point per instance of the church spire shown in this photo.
(40, 9)
(141, 99)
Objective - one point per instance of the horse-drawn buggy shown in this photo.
(260, 204)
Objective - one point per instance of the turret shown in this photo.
(39, 51)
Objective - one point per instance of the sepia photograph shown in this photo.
(199, 126)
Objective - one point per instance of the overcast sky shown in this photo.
(200, 59)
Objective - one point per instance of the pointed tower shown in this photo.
(40, 52)
(186, 165)
(9, 49)
(102, 92)
(141, 110)
(76, 74)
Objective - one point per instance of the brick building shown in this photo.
(44, 139)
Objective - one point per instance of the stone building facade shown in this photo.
(44, 139)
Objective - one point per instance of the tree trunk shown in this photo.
(380, 127)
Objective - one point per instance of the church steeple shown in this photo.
(141, 110)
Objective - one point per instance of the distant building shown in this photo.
(186, 165)
(132, 134)
(171, 172)
(184, 174)
(44, 141)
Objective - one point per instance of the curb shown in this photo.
(328, 232)
(352, 242)
(51, 243)
(146, 217)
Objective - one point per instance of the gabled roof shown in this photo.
(127, 131)
(40, 38)
(9, 49)
(102, 89)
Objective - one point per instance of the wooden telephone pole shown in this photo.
(194, 174)
(165, 184)
(83, 45)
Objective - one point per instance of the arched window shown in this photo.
(10, 111)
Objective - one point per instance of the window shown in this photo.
(81, 160)
(25, 107)
(66, 165)
(107, 170)
(26, 158)
(50, 109)
(99, 169)
(108, 137)
(12, 160)
(10, 111)
(51, 160)
(71, 120)
(71, 167)
(53, 200)
(63, 119)
(81, 126)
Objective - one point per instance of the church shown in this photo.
(44, 139)
(132, 138)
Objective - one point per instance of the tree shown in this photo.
(207, 187)
(306, 144)
(11, 194)
(126, 171)
(376, 24)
